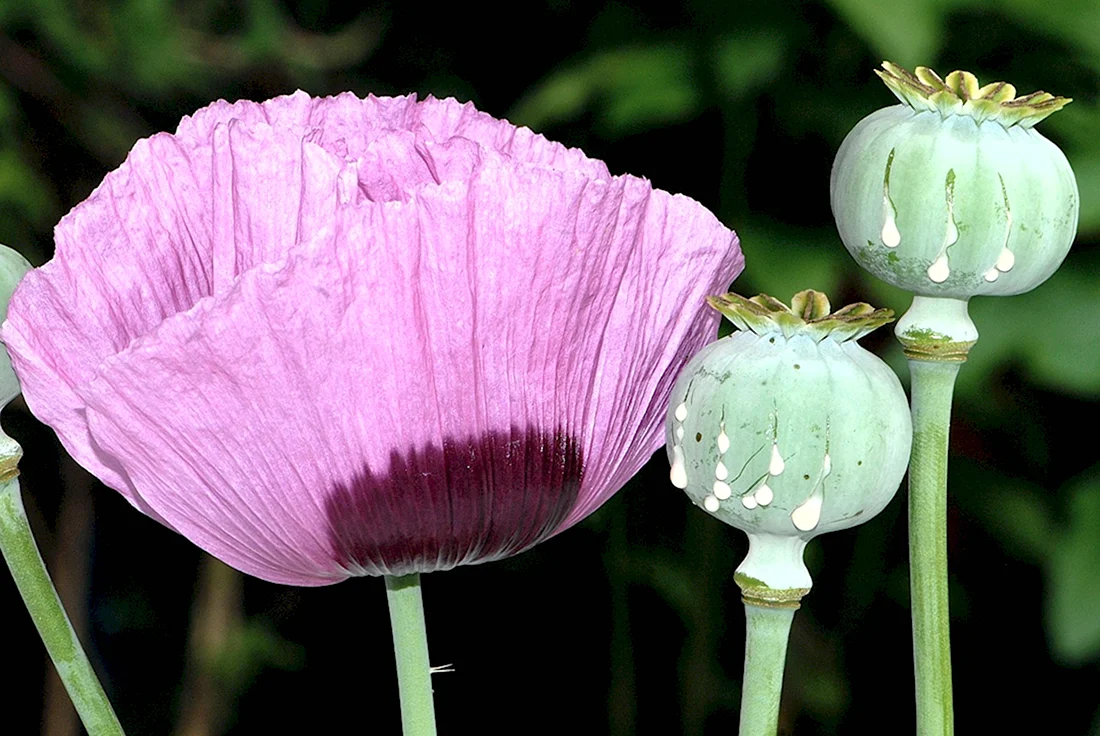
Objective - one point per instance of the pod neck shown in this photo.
(937, 329)
(773, 574)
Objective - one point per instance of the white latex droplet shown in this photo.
(748, 502)
(680, 433)
(939, 270)
(1006, 260)
(681, 412)
(826, 466)
(722, 491)
(776, 465)
(710, 503)
(891, 236)
(992, 275)
(764, 495)
(721, 472)
(807, 516)
(723, 442)
(678, 473)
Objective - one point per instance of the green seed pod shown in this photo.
(953, 193)
(788, 429)
(13, 267)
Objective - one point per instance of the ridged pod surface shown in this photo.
(953, 193)
(788, 428)
(13, 267)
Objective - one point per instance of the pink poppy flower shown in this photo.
(343, 336)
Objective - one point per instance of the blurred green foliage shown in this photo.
(96, 69)
(1074, 597)
(1051, 336)
(742, 106)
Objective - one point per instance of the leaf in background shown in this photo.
(76, 31)
(252, 647)
(630, 89)
(908, 32)
(743, 63)
(1012, 511)
(1073, 583)
(667, 575)
(148, 36)
(782, 261)
(1072, 20)
(1045, 330)
(22, 189)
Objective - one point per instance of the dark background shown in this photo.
(629, 623)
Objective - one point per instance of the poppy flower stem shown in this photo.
(410, 646)
(933, 383)
(937, 335)
(766, 631)
(40, 596)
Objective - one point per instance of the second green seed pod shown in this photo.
(788, 429)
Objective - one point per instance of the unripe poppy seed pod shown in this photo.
(788, 429)
(13, 267)
(953, 193)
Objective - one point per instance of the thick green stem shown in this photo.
(933, 383)
(766, 632)
(410, 645)
(937, 334)
(33, 581)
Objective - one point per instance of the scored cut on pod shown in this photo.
(788, 428)
(953, 193)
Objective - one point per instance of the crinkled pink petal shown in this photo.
(348, 126)
(174, 223)
(417, 337)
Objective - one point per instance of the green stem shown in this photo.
(40, 597)
(937, 335)
(766, 632)
(410, 645)
(933, 383)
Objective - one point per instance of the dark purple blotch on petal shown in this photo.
(473, 500)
